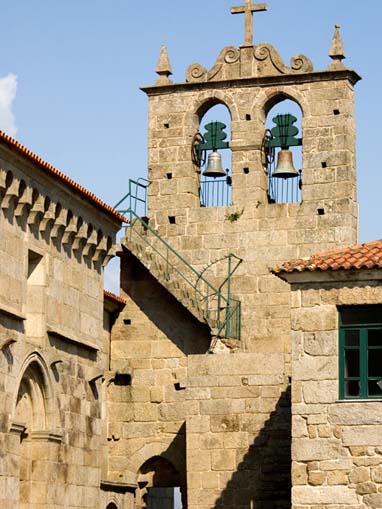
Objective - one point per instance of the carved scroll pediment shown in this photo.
(227, 63)
(231, 64)
(268, 62)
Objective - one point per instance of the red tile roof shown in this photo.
(362, 256)
(112, 296)
(48, 168)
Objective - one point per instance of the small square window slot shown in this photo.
(323, 164)
(247, 117)
(172, 219)
(122, 379)
(127, 321)
(321, 212)
(178, 386)
(246, 171)
(336, 112)
(169, 176)
(166, 125)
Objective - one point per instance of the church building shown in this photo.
(241, 365)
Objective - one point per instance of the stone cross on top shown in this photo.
(248, 9)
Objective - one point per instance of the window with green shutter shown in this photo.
(360, 352)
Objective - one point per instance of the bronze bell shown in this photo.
(285, 168)
(214, 166)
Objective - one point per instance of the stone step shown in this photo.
(174, 283)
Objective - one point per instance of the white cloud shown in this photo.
(8, 86)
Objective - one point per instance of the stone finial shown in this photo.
(337, 52)
(163, 67)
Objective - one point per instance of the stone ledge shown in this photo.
(118, 487)
(283, 79)
(69, 337)
(47, 436)
(11, 311)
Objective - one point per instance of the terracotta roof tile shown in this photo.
(114, 297)
(362, 256)
(48, 168)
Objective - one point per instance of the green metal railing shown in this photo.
(216, 305)
(136, 198)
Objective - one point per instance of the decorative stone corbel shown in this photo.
(24, 202)
(109, 255)
(91, 243)
(11, 194)
(48, 217)
(3, 180)
(37, 209)
(59, 224)
(80, 237)
(71, 230)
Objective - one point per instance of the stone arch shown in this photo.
(265, 101)
(155, 449)
(33, 420)
(112, 504)
(281, 101)
(158, 481)
(215, 192)
(207, 100)
(34, 380)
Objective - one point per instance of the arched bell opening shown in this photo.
(282, 149)
(212, 155)
(160, 485)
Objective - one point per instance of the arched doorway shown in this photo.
(30, 419)
(160, 485)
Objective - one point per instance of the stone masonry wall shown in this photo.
(151, 340)
(336, 445)
(266, 233)
(238, 441)
(51, 341)
(223, 420)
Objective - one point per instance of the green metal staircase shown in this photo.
(212, 305)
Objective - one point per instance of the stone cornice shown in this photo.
(263, 81)
(47, 436)
(24, 201)
(331, 276)
(11, 311)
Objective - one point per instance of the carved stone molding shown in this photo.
(265, 61)
(47, 436)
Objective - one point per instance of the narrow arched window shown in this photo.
(283, 151)
(215, 161)
(111, 505)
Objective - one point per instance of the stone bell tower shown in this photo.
(196, 274)
(249, 81)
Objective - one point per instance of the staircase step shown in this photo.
(184, 292)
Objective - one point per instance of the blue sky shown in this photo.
(78, 65)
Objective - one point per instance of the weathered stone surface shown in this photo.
(355, 414)
(311, 495)
(362, 435)
(306, 449)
